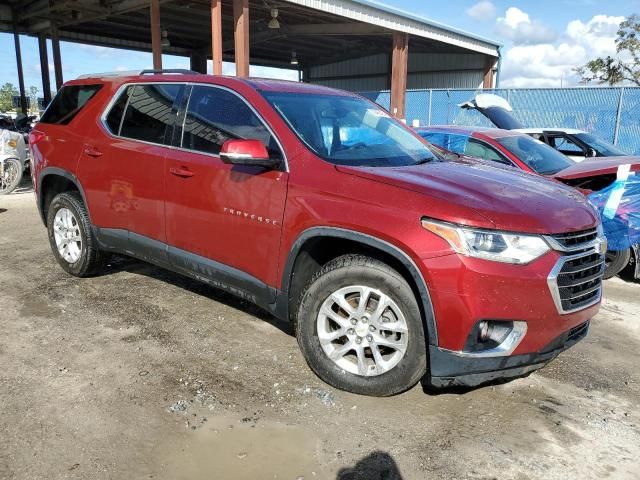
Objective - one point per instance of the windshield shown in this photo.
(539, 156)
(349, 130)
(602, 148)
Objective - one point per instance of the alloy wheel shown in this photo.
(66, 231)
(362, 330)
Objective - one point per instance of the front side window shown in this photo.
(349, 130)
(149, 112)
(602, 147)
(68, 103)
(215, 115)
(539, 156)
(478, 149)
(565, 145)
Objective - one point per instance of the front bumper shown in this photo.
(449, 368)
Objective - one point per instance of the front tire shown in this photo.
(70, 236)
(360, 328)
(615, 262)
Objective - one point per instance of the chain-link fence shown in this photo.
(611, 113)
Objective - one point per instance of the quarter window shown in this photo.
(150, 112)
(68, 103)
(215, 115)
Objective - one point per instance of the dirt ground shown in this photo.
(142, 373)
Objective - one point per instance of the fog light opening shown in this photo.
(494, 336)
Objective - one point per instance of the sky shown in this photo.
(544, 41)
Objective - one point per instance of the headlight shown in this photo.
(490, 244)
(12, 143)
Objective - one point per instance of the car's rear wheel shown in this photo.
(70, 236)
(360, 329)
(615, 262)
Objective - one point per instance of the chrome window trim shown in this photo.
(122, 87)
(552, 281)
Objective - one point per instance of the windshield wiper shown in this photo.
(422, 161)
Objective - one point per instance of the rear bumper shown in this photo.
(449, 368)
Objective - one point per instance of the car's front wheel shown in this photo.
(70, 236)
(360, 329)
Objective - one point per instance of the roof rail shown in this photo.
(162, 71)
(131, 73)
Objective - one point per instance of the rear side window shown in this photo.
(114, 118)
(68, 103)
(451, 142)
(215, 115)
(149, 112)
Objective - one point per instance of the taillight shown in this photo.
(35, 136)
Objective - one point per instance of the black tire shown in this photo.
(615, 262)
(352, 270)
(91, 260)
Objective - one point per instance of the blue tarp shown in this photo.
(619, 208)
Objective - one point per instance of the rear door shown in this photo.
(229, 214)
(123, 163)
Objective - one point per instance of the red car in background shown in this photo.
(510, 148)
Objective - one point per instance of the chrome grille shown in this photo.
(574, 240)
(576, 281)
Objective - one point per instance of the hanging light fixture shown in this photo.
(274, 23)
(164, 42)
(294, 58)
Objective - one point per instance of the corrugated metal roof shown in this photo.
(392, 18)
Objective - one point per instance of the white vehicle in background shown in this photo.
(578, 145)
(575, 144)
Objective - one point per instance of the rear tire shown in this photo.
(11, 175)
(615, 262)
(70, 236)
(364, 314)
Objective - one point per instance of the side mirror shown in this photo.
(591, 153)
(247, 152)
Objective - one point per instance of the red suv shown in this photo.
(319, 207)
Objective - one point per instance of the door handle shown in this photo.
(92, 152)
(181, 172)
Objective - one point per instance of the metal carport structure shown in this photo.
(348, 43)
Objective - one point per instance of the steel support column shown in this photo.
(487, 81)
(156, 47)
(16, 40)
(399, 64)
(57, 59)
(44, 68)
(241, 36)
(216, 36)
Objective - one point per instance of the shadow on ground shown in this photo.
(375, 466)
(119, 263)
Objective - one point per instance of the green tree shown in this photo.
(625, 68)
(33, 98)
(7, 91)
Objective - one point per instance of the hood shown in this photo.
(468, 192)
(597, 166)
(496, 109)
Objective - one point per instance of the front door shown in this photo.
(231, 215)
